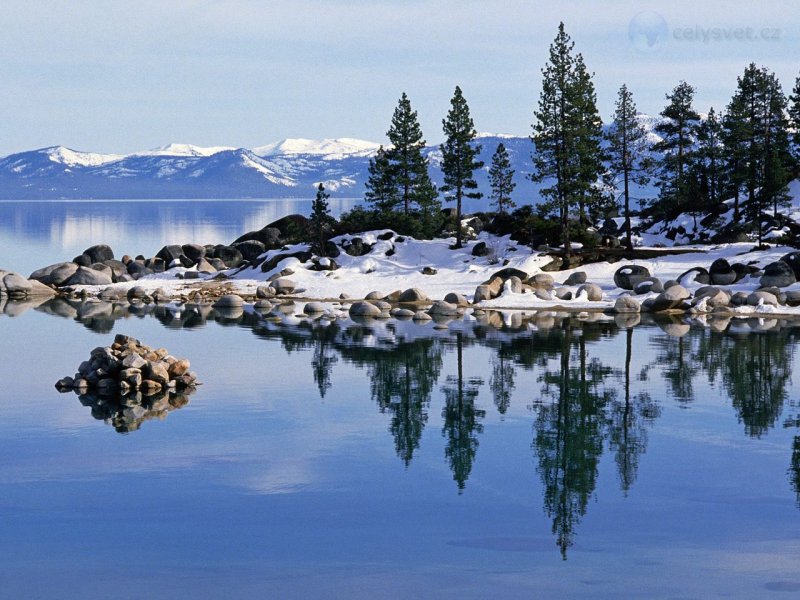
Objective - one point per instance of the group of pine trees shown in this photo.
(398, 175)
(749, 154)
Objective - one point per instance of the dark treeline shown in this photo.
(745, 153)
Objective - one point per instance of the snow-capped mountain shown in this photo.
(290, 168)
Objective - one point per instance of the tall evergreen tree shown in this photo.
(734, 136)
(794, 118)
(677, 144)
(566, 135)
(588, 149)
(627, 153)
(321, 222)
(501, 178)
(710, 158)
(757, 124)
(409, 169)
(381, 188)
(459, 157)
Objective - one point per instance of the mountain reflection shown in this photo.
(588, 385)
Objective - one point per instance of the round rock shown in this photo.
(627, 276)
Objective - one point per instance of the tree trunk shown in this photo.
(458, 218)
(628, 237)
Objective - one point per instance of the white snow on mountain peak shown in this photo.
(184, 150)
(73, 158)
(502, 136)
(329, 149)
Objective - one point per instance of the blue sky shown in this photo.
(126, 76)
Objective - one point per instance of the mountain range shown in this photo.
(287, 169)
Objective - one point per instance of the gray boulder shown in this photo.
(576, 278)
(721, 272)
(269, 236)
(563, 293)
(456, 299)
(778, 274)
(283, 285)
(231, 257)
(541, 280)
(627, 304)
(793, 260)
(169, 253)
(86, 276)
(118, 268)
(250, 249)
(627, 276)
(99, 253)
(482, 292)
(265, 291)
(593, 292)
(203, 266)
(314, 308)
(694, 275)
(55, 274)
(673, 297)
(229, 301)
(15, 285)
(480, 249)
(444, 309)
(647, 285)
(364, 309)
(413, 295)
(194, 252)
(739, 298)
(761, 297)
(514, 284)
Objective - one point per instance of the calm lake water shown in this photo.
(544, 457)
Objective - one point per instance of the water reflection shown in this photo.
(127, 413)
(594, 387)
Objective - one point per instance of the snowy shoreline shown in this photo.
(397, 263)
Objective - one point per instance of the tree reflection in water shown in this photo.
(461, 419)
(585, 396)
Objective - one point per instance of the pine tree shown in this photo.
(734, 137)
(710, 157)
(588, 149)
(567, 136)
(757, 124)
(321, 222)
(381, 189)
(409, 169)
(627, 157)
(459, 157)
(677, 144)
(501, 178)
(794, 118)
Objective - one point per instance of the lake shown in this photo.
(544, 456)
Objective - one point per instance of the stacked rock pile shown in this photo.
(128, 367)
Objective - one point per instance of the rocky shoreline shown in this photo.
(262, 269)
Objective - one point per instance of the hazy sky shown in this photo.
(116, 76)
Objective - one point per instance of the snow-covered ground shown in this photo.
(460, 272)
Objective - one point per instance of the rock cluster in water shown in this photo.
(128, 368)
